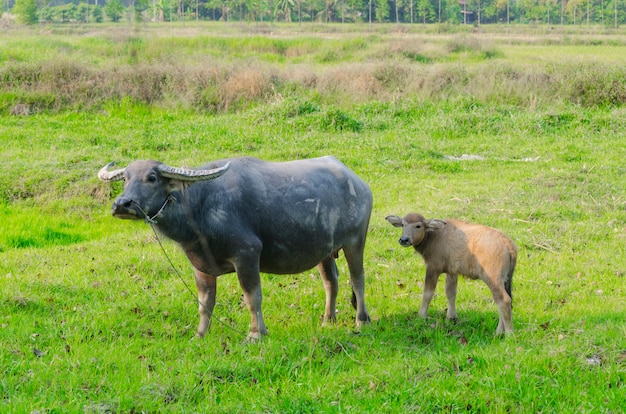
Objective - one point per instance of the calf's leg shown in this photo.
(451, 289)
(430, 283)
(504, 303)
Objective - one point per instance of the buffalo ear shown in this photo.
(177, 185)
(435, 224)
(394, 220)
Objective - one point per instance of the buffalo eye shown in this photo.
(152, 178)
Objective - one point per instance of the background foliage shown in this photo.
(609, 13)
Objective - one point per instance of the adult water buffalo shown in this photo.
(248, 216)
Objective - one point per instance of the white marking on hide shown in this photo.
(218, 215)
(333, 219)
(313, 200)
(334, 216)
(352, 191)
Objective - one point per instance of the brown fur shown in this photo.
(457, 248)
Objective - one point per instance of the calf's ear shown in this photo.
(394, 220)
(435, 224)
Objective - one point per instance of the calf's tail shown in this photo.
(508, 284)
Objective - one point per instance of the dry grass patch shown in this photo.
(303, 75)
(351, 81)
(221, 74)
(245, 84)
(417, 51)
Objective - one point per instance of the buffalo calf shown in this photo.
(457, 248)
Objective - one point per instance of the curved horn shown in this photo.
(107, 176)
(184, 174)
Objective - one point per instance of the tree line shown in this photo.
(609, 13)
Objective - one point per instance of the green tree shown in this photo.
(355, 10)
(575, 10)
(615, 13)
(408, 10)
(72, 12)
(97, 14)
(454, 12)
(425, 10)
(329, 6)
(47, 14)
(283, 10)
(140, 8)
(382, 11)
(26, 11)
(114, 9)
(82, 12)
(503, 10)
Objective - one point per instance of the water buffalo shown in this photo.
(455, 247)
(247, 216)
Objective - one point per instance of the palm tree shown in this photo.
(285, 6)
(329, 6)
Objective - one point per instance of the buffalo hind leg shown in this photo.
(207, 287)
(354, 257)
(328, 271)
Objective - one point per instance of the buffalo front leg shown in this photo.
(328, 271)
(451, 288)
(354, 257)
(207, 286)
(430, 283)
(250, 281)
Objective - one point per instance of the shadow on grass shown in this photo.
(409, 329)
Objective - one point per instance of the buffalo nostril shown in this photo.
(123, 202)
(123, 206)
(404, 241)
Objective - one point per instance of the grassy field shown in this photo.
(94, 318)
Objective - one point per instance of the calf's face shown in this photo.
(414, 227)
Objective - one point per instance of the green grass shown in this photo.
(94, 318)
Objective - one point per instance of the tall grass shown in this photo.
(217, 74)
(219, 87)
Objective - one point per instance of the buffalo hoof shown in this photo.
(505, 334)
(328, 320)
(363, 319)
(453, 320)
(253, 339)
(362, 324)
(255, 336)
